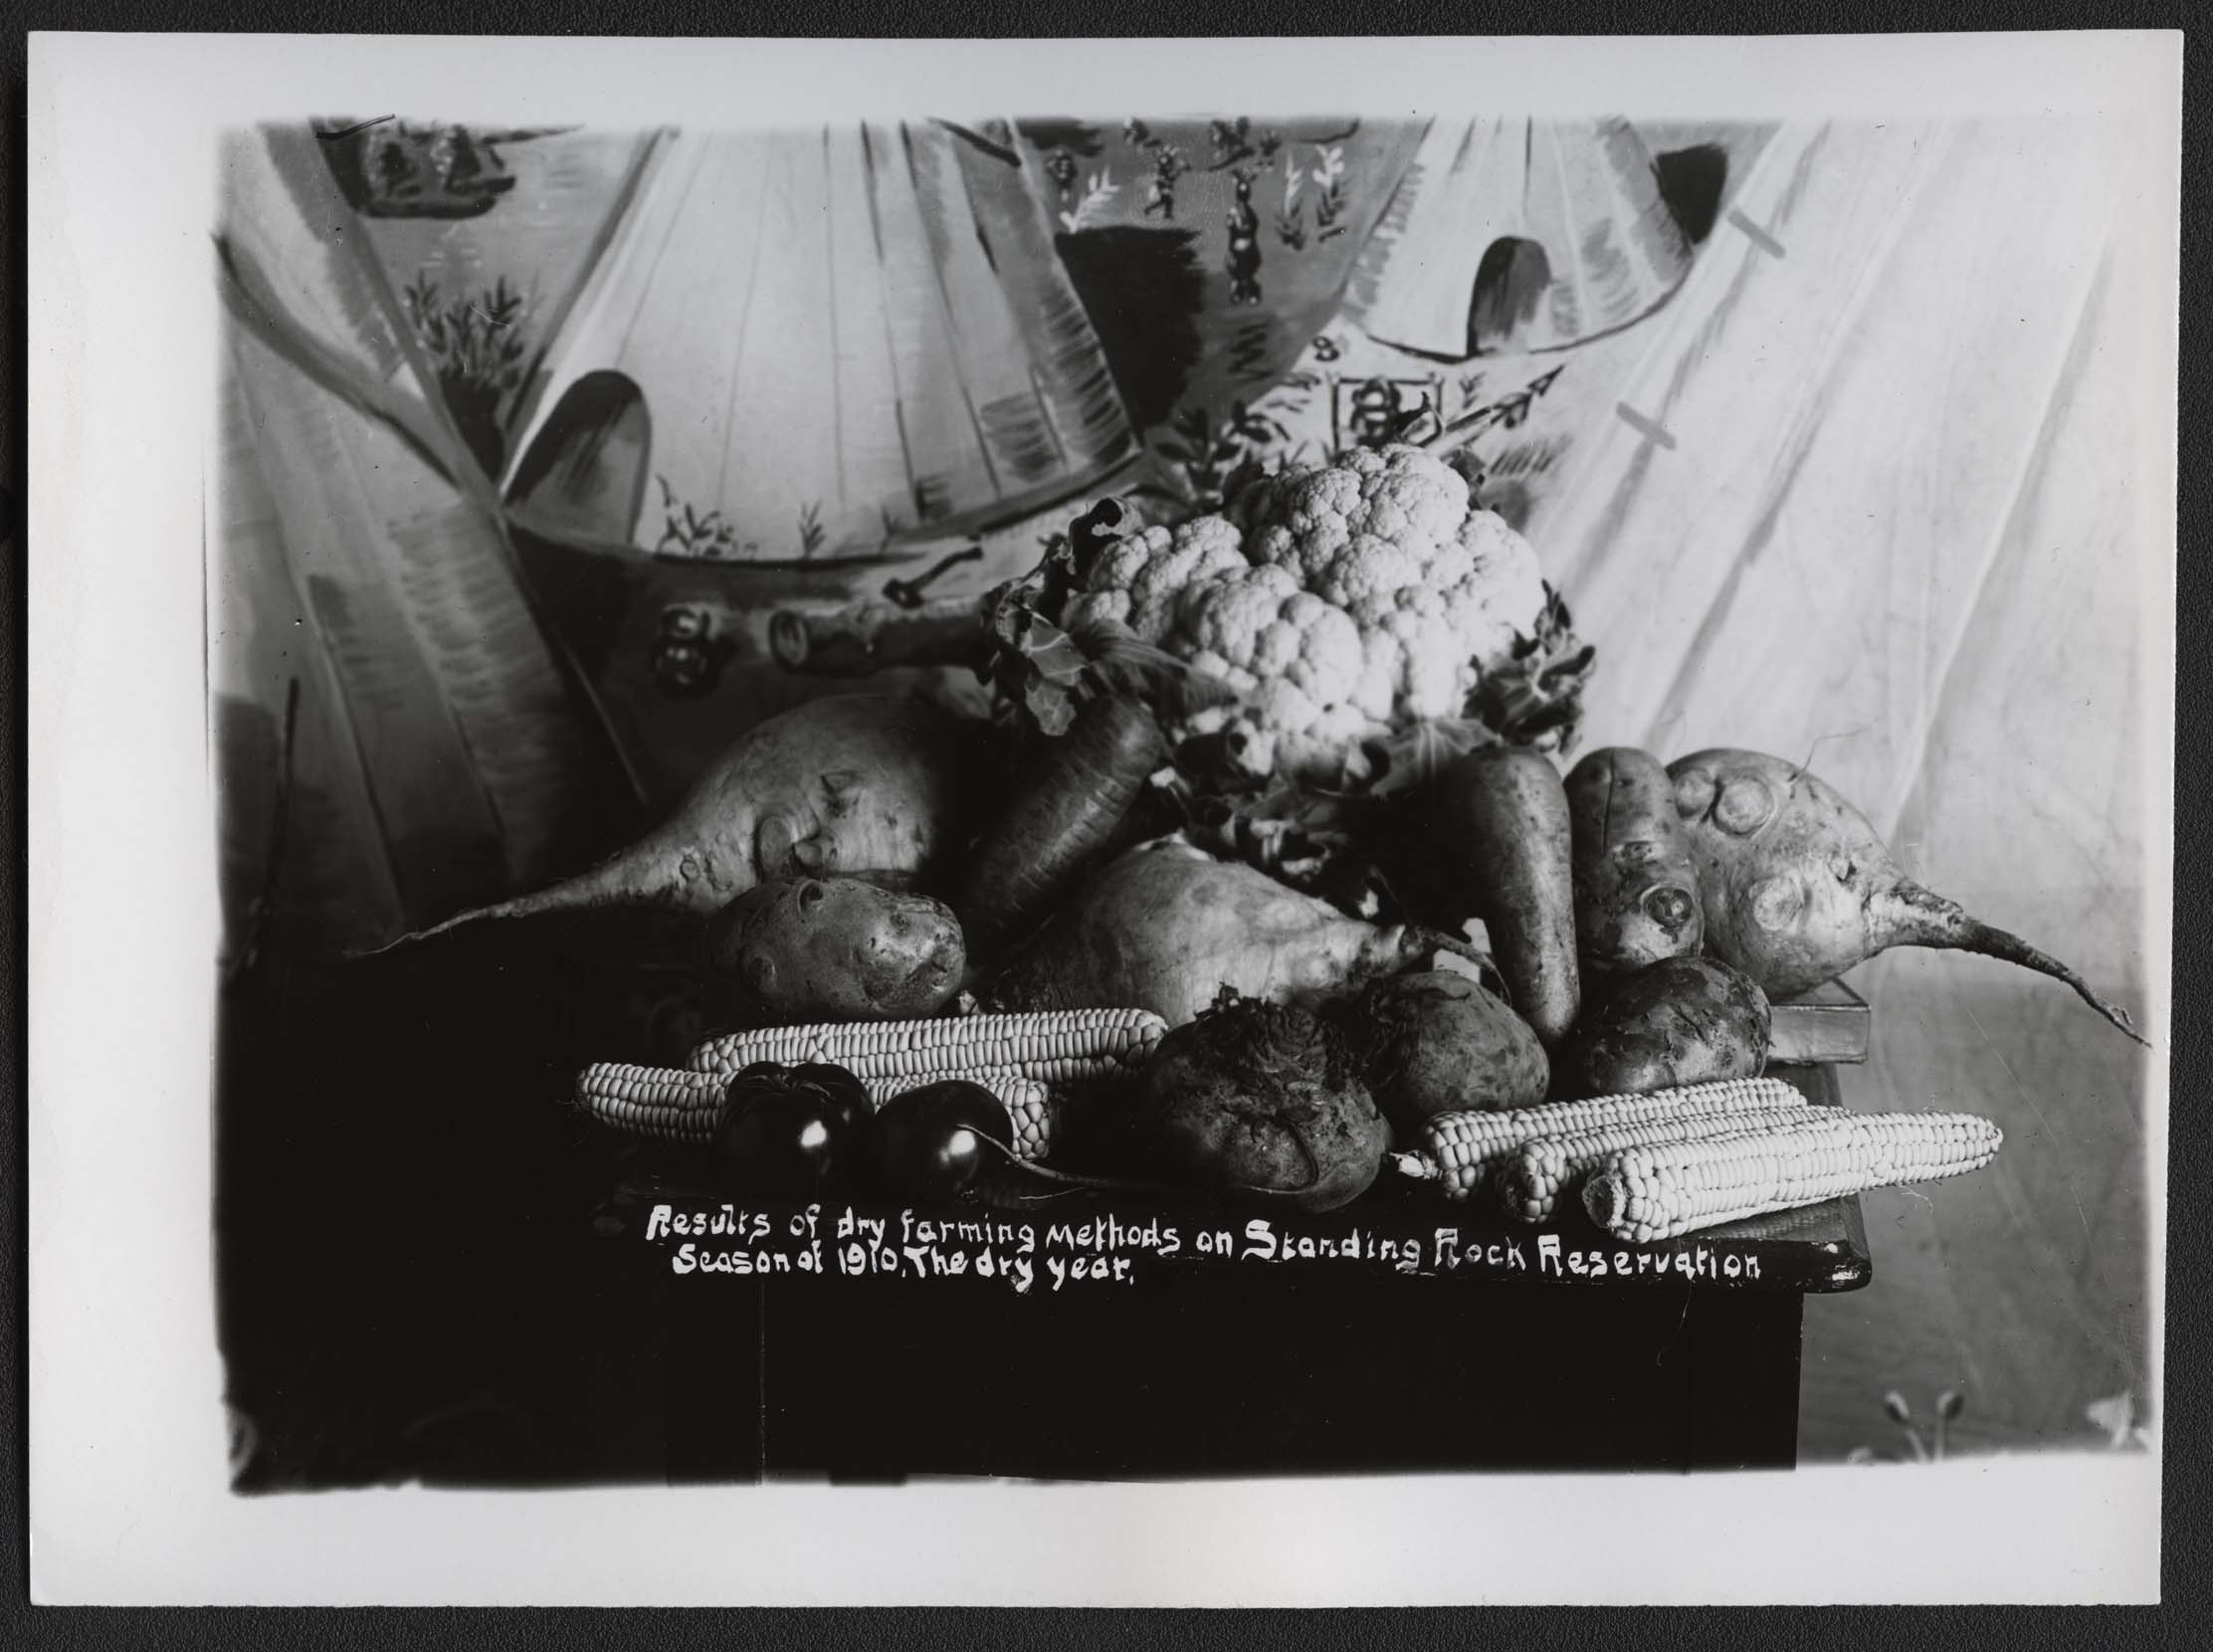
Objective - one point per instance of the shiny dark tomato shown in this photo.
(930, 1146)
(789, 1141)
(839, 1090)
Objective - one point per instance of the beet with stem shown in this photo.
(864, 786)
(1797, 888)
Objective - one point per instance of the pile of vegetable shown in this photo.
(1265, 864)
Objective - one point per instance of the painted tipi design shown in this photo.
(1519, 235)
(819, 346)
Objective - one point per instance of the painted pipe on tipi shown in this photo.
(822, 346)
(1519, 235)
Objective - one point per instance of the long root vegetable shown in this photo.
(1064, 812)
(1797, 888)
(1507, 839)
(836, 950)
(864, 786)
(1164, 927)
(1636, 884)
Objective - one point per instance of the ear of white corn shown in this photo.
(1529, 1180)
(1027, 1101)
(1051, 1047)
(1663, 1190)
(1468, 1146)
(661, 1102)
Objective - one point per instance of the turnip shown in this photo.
(1797, 888)
(863, 785)
(1165, 927)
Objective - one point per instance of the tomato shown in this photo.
(793, 1132)
(930, 1143)
(839, 1090)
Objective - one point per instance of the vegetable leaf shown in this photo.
(1123, 663)
(1308, 839)
(1413, 757)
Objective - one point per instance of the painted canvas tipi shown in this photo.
(1516, 234)
(819, 346)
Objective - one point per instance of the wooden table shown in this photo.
(1502, 1351)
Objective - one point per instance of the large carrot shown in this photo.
(1508, 856)
(1797, 888)
(1066, 809)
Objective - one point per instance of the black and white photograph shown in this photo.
(970, 790)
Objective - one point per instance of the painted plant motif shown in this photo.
(477, 345)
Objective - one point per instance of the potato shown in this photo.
(1636, 884)
(1678, 1021)
(836, 950)
(1437, 1042)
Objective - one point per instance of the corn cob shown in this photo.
(1468, 1145)
(1053, 1047)
(1663, 1190)
(661, 1102)
(1026, 1101)
(1528, 1181)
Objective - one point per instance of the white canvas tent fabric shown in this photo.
(443, 748)
(1875, 492)
(1582, 194)
(862, 329)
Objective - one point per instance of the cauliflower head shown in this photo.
(1142, 580)
(1340, 602)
